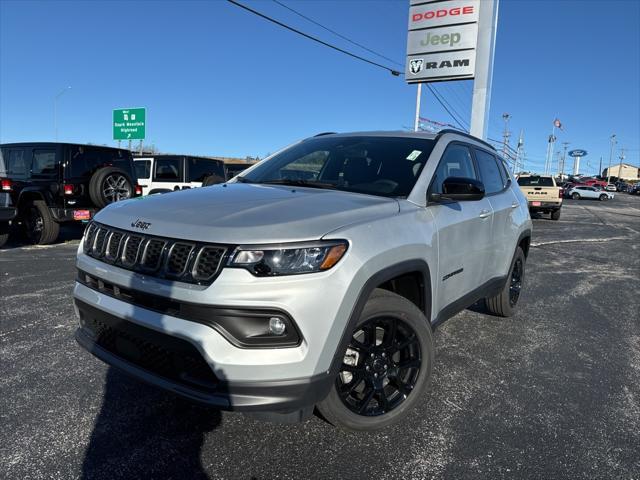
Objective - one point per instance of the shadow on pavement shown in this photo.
(143, 432)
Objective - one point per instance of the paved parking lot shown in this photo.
(551, 393)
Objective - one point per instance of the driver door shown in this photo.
(464, 230)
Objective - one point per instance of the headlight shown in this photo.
(288, 259)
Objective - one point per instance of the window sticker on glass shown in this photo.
(414, 155)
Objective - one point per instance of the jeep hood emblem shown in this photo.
(140, 224)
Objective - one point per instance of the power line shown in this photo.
(310, 37)
(442, 103)
(336, 33)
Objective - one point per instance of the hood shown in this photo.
(237, 213)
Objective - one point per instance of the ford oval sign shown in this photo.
(578, 153)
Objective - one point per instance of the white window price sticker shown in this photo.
(414, 155)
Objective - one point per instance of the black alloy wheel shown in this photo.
(380, 368)
(516, 282)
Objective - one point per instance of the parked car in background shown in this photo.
(611, 188)
(234, 169)
(543, 195)
(634, 190)
(593, 182)
(168, 173)
(7, 210)
(55, 183)
(590, 192)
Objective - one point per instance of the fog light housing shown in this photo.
(277, 326)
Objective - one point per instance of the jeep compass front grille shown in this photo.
(156, 256)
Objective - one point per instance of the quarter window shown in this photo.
(143, 168)
(456, 162)
(17, 166)
(489, 172)
(44, 163)
(199, 168)
(168, 169)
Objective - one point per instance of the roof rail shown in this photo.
(465, 134)
(325, 133)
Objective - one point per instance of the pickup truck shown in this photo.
(543, 195)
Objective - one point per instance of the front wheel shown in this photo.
(504, 304)
(575, 196)
(604, 198)
(385, 368)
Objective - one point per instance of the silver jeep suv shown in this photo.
(313, 279)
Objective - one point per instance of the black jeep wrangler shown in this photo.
(53, 183)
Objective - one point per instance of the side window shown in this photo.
(143, 168)
(44, 164)
(168, 169)
(456, 162)
(17, 165)
(198, 169)
(489, 172)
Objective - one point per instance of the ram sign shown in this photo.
(441, 44)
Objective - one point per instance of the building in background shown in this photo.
(624, 171)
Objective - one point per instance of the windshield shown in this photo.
(535, 181)
(384, 166)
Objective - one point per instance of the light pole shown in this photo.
(55, 111)
(506, 134)
(613, 142)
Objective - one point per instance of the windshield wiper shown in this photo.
(299, 183)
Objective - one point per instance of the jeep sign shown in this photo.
(441, 44)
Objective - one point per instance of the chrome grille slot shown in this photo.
(130, 250)
(113, 246)
(178, 258)
(89, 236)
(152, 254)
(156, 256)
(98, 242)
(207, 263)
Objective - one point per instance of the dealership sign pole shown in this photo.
(446, 41)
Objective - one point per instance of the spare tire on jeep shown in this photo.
(109, 185)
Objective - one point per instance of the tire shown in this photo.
(604, 198)
(555, 215)
(575, 196)
(503, 304)
(3, 239)
(212, 180)
(41, 228)
(401, 363)
(109, 185)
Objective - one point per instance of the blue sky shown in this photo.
(217, 80)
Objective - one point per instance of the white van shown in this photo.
(167, 173)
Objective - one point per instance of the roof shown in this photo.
(49, 144)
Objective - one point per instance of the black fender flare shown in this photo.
(35, 192)
(382, 276)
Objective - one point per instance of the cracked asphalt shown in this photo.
(553, 392)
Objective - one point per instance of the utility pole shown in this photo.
(506, 134)
(621, 157)
(613, 142)
(519, 152)
(600, 167)
(564, 158)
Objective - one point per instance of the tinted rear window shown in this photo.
(535, 181)
(85, 160)
(143, 168)
(200, 168)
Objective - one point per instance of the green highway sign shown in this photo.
(129, 123)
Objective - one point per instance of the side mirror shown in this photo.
(460, 189)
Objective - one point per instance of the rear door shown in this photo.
(504, 204)
(463, 229)
(199, 169)
(167, 173)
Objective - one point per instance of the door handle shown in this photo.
(484, 213)
(515, 205)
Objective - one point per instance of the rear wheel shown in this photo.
(40, 226)
(385, 368)
(604, 198)
(575, 196)
(3, 239)
(504, 304)
(555, 215)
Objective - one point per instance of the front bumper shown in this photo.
(176, 365)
